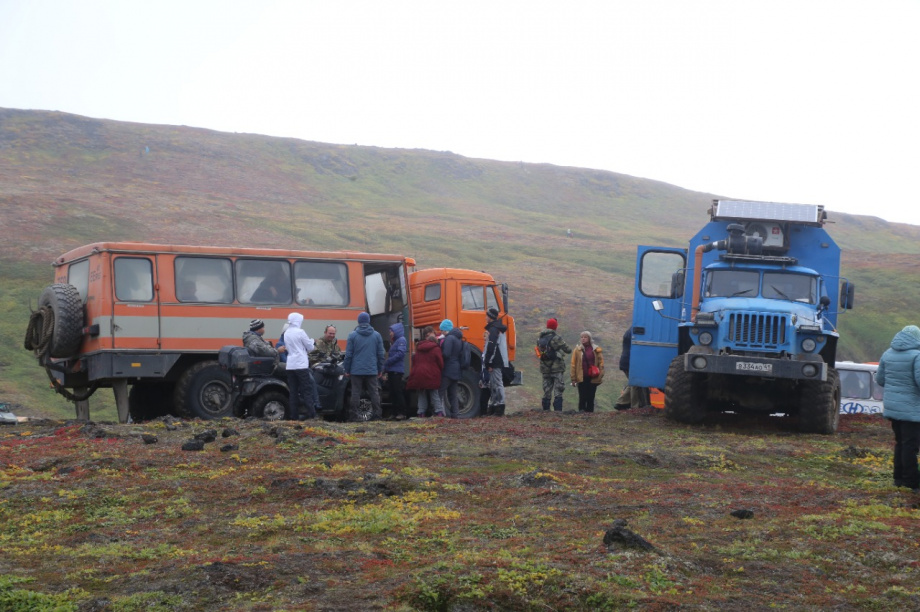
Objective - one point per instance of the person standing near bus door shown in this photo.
(395, 369)
(301, 385)
(364, 358)
(451, 349)
(899, 373)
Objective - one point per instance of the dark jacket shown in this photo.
(364, 352)
(451, 349)
(624, 356)
(493, 357)
(899, 373)
(396, 360)
(259, 346)
(426, 366)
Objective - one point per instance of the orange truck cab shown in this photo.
(148, 320)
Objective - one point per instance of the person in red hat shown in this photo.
(551, 349)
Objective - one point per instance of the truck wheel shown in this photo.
(468, 394)
(271, 405)
(684, 394)
(819, 405)
(149, 400)
(65, 303)
(203, 392)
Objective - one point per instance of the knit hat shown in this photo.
(446, 325)
(552, 324)
(256, 324)
(364, 318)
(492, 313)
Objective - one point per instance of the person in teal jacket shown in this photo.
(899, 373)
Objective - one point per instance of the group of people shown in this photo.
(586, 370)
(435, 373)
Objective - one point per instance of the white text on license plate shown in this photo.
(754, 367)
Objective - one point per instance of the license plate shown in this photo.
(747, 366)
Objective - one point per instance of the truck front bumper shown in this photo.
(762, 367)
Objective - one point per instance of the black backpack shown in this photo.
(466, 355)
(545, 348)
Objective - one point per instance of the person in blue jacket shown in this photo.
(395, 368)
(899, 373)
(363, 363)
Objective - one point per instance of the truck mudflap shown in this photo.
(764, 367)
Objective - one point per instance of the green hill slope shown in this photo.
(67, 180)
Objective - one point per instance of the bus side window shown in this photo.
(133, 279)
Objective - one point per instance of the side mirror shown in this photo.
(677, 284)
(847, 295)
(657, 305)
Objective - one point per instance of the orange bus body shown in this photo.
(152, 314)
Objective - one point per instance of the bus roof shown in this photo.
(149, 248)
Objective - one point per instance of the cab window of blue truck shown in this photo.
(321, 283)
(792, 287)
(732, 283)
(204, 279)
(133, 279)
(78, 276)
(657, 269)
(263, 281)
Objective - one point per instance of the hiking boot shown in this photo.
(621, 406)
(557, 404)
(545, 403)
(499, 410)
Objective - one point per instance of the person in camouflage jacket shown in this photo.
(553, 371)
(327, 347)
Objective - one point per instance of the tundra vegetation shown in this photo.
(603, 511)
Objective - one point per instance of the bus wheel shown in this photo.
(203, 392)
(149, 400)
(271, 405)
(468, 394)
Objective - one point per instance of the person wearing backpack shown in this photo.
(452, 351)
(493, 362)
(552, 350)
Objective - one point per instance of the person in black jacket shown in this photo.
(493, 362)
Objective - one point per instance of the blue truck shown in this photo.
(745, 319)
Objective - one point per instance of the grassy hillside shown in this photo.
(67, 180)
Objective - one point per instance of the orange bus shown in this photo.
(148, 320)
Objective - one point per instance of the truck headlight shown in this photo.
(808, 345)
(705, 338)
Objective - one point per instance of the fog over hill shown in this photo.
(67, 180)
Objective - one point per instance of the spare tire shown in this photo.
(65, 303)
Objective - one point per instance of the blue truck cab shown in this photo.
(745, 319)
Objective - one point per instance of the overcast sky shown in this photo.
(790, 101)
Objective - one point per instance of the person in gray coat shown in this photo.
(364, 358)
(899, 373)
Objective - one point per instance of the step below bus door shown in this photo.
(654, 329)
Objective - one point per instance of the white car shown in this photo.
(859, 393)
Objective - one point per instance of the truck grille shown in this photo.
(757, 330)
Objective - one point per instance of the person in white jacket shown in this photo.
(300, 381)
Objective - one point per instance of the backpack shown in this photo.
(466, 355)
(544, 349)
